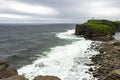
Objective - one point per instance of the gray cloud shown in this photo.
(59, 10)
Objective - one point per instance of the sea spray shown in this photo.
(66, 62)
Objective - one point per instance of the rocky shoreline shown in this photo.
(107, 62)
(8, 72)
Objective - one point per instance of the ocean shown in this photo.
(46, 49)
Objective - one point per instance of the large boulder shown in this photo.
(16, 77)
(7, 70)
(47, 78)
(114, 75)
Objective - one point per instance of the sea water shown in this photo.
(67, 61)
(50, 49)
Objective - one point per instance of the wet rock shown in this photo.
(90, 64)
(88, 72)
(47, 78)
(116, 43)
(16, 77)
(91, 69)
(7, 70)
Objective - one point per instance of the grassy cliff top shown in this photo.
(103, 26)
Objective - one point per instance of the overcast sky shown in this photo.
(58, 10)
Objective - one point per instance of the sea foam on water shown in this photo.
(66, 62)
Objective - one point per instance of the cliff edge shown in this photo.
(100, 30)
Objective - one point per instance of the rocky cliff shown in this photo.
(102, 30)
(108, 61)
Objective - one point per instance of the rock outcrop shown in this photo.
(91, 33)
(16, 77)
(108, 61)
(46, 78)
(7, 70)
(100, 30)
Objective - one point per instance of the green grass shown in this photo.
(103, 26)
(100, 28)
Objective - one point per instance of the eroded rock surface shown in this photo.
(16, 77)
(7, 70)
(114, 75)
(108, 61)
(46, 78)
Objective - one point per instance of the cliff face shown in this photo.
(101, 30)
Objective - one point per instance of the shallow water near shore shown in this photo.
(49, 49)
(117, 36)
(20, 44)
(67, 61)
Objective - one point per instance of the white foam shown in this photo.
(62, 61)
(69, 34)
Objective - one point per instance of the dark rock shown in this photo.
(47, 78)
(116, 43)
(96, 75)
(91, 34)
(16, 77)
(7, 70)
(91, 64)
(80, 30)
(91, 69)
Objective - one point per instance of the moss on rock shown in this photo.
(95, 29)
